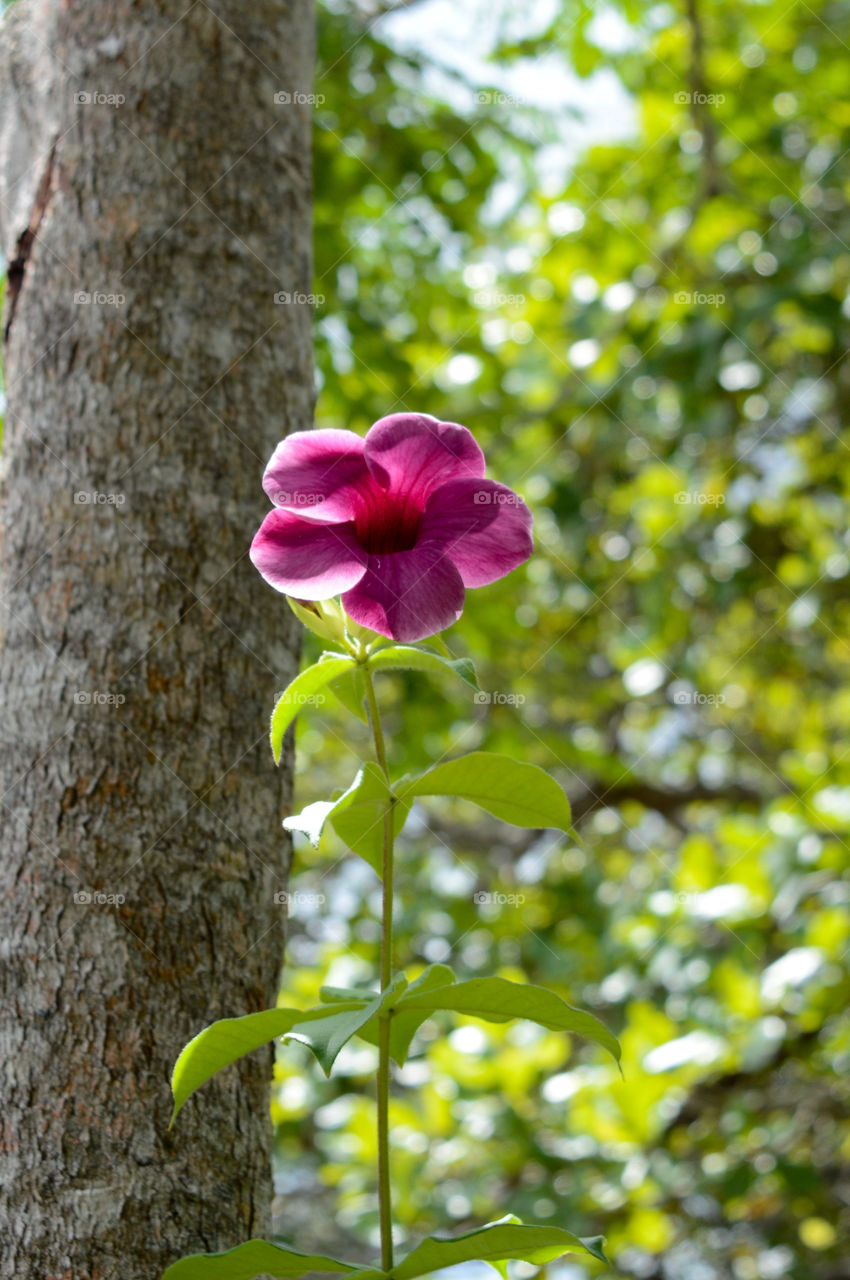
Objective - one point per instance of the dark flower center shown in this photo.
(388, 524)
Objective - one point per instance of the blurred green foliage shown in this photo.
(652, 351)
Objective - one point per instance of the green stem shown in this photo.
(383, 1091)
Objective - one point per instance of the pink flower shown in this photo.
(400, 523)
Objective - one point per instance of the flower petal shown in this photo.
(407, 595)
(411, 454)
(318, 474)
(306, 559)
(483, 527)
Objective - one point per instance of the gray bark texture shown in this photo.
(144, 162)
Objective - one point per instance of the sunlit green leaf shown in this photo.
(222, 1043)
(327, 1035)
(520, 793)
(305, 688)
(358, 816)
(497, 1000)
(324, 1029)
(496, 1243)
(254, 1258)
(351, 692)
(403, 1025)
(323, 617)
(407, 658)
(311, 820)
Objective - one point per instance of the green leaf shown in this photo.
(311, 820)
(303, 687)
(358, 816)
(497, 1243)
(437, 642)
(351, 692)
(403, 1026)
(327, 1035)
(513, 791)
(498, 1000)
(346, 995)
(323, 617)
(229, 1039)
(407, 658)
(254, 1258)
(222, 1043)
(435, 975)
(364, 634)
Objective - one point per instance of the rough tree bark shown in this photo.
(143, 156)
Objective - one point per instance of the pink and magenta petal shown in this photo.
(412, 454)
(305, 559)
(483, 527)
(319, 475)
(407, 595)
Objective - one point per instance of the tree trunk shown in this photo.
(154, 197)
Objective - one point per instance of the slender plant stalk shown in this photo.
(383, 1090)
